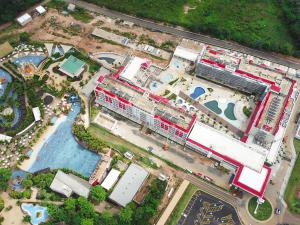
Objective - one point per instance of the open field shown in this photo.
(258, 24)
(293, 185)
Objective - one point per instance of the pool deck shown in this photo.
(39, 144)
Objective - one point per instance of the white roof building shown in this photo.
(250, 156)
(36, 113)
(110, 179)
(41, 10)
(187, 54)
(66, 184)
(23, 20)
(132, 68)
(129, 185)
(5, 138)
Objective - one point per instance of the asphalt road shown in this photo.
(187, 34)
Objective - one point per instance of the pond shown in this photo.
(61, 150)
(229, 111)
(37, 213)
(213, 106)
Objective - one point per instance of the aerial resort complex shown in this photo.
(109, 119)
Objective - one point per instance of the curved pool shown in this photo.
(61, 150)
(198, 91)
(34, 59)
(37, 213)
(5, 78)
(229, 111)
(213, 106)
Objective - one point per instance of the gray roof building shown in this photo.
(66, 184)
(129, 185)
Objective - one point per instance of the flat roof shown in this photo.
(228, 148)
(36, 113)
(185, 53)
(252, 181)
(24, 19)
(72, 66)
(40, 9)
(132, 68)
(129, 184)
(110, 179)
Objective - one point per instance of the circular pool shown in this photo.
(154, 86)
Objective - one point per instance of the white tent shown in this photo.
(23, 20)
(41, 10)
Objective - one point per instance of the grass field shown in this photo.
(181, 205)
(294, 181)
(264, 211)
(256, 23)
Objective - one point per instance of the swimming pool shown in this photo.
(107, 59)
(154, 86)
(197, 92)
(34, 59)
(167, 78)
(229, 111)
(6, 78)
(61, 150)
(37, 213)
(213, 106)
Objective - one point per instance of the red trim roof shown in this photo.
(260, 193)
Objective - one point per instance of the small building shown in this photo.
(5, 138)
(130, 183)
(23, 20)
(6, 49)
(41, 10)
(111, 179)
(67, 184)
(186, 54)
(72, 67)
(71, 7)
(36, 113)
(102, 169)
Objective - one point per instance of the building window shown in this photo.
(178, 133)
(122, 106)
(108, 99)
(164, 126)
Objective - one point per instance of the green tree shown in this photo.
(70, 204)
(27, 183)
(86, 209)
(97, 194)
(5, 175)
(107, 218)
(125, 215)
(1, 204)
(87, 222)
(26, 219)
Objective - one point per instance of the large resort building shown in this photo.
(249, 154)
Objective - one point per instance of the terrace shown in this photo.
(151, 103)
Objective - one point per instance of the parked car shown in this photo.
(277, 211)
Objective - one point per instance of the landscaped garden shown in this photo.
(292, 195)
(264, 210)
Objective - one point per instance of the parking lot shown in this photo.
(205, 209)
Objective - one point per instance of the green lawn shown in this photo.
(257, 23)
(264, 211)
(181, 205)
(291, 200)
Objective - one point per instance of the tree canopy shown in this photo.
(5, 175)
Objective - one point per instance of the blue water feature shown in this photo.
(107, 59)
(5, 78)
(17, 176)
(198, 91)
(37, 213)
(61, 150)
(34, 59)
(154, 86)
(167, 78)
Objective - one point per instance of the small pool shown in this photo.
(213, 106)
(167, 78)
(229, 111)
(34, 59)
(107, 59)
(5, 78)
(37, 213)
(198, 91)
(16, 179)
(154, 86)
(61, 150)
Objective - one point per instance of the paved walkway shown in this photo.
(180, 191)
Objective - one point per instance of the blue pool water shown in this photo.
(167, 78)
(7, 77)
(61, 150)
(34, 59)
(17, 176)
(198, 91)
(154, 86)
(37, 213)
(107, 59)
